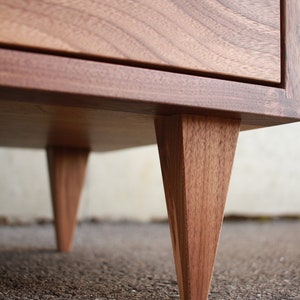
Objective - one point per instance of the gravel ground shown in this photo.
(256, 260)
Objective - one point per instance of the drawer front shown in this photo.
(229, 37)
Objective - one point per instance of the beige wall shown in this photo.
(127, 184)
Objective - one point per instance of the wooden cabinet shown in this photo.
(102, 75)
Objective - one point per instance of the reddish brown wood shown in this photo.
(25, 124)
(292, 48)
(77, 89)
(66, 171)
(233, 37)
(196, 155)
(218, 61)
(92, 82)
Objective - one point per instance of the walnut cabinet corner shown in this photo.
(80, 76)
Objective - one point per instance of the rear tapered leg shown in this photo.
(66, 171)
(196, 154)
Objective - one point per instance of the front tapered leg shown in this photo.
(66, 171)
(196, 154)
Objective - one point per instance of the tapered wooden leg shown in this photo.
(66, 170)
(196, 154)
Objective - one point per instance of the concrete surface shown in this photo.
(256, 260)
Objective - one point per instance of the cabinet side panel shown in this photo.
(292, 12)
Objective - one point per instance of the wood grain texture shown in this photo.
(38, 125)
(37, 77)
(50, 100)
(232, 37)
(292, 36)
(66, 172)
(196, 155)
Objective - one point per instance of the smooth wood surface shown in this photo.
(292, 32)
(66, 171)
(132, 89)
(45, 90)
(37, 125)
(196, 155)
(232, 37)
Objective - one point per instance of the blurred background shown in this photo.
(127, 184)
